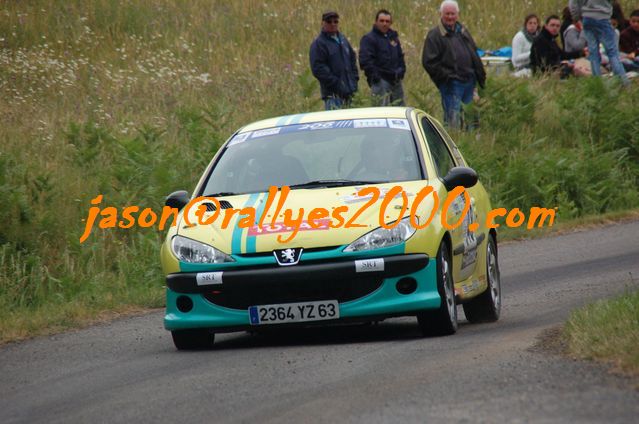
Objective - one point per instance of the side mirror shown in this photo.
(460, 176)
(177, 199)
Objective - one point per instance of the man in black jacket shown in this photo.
(545, 54)
(334, 64)
(382, 60)
(450, 58)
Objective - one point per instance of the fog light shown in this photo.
(406, 285)
(184, 303)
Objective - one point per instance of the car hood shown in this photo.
(276, 234)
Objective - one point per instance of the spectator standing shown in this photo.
(382, 60)
(334, 64)
(595, 15)
(575, 39)
(522, 42)
(545, 54)
(451, 60)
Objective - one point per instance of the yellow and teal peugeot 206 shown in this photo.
(331, 217)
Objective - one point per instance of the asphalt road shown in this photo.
(128, 370)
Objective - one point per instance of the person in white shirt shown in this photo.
(522, 43)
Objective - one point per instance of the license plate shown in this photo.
(294, 312)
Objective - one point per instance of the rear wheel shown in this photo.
(441, 321)
(193, 339)
(487, 306)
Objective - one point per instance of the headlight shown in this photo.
(192, 251)
(382, 237)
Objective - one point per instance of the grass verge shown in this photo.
(607, 331)
(565, 226)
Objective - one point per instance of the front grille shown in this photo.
(308, 290)
(270, 254)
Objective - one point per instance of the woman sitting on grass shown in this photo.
(545, 54)
(575, 38)
(566, 21)
(522, 42)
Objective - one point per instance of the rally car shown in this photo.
(326, 217)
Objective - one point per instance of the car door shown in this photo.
(445, 156)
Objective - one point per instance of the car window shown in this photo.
(297, 154)
(459, 160)
(441, 156)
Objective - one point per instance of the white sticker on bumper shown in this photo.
(208, 278)
(369, 265)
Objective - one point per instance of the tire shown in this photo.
(487, 306)
(193, 339)
(443, 320)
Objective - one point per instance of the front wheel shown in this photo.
(193, 339)
(487, 306)
(441, 321)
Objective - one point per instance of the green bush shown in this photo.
(557, 144)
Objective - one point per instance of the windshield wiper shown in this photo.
(333, 183)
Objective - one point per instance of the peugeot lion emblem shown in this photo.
(289, 256)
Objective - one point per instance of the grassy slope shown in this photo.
(131, 99)
(608, 331)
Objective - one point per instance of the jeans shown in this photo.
(601, 31)
(335, 102)
(454, 93)
(387, 94)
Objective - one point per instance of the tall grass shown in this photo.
(130, 99)
(608, 331)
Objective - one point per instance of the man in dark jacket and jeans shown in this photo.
(450, 58)
(334, 64)
(382, 60)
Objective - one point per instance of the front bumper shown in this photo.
(223, 305)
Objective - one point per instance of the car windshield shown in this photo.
(320, 154)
